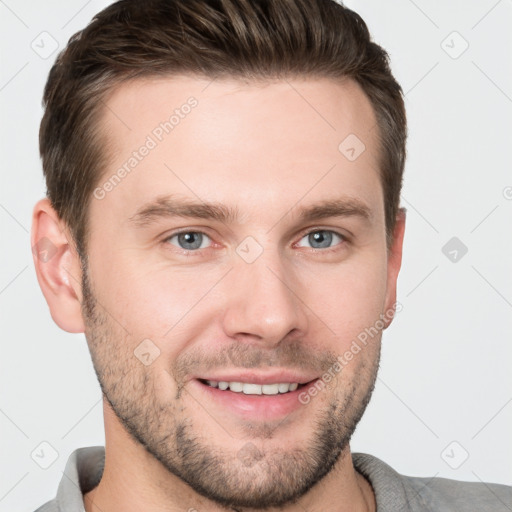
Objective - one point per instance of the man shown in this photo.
(223, 200)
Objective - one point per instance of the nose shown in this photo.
(264, 303)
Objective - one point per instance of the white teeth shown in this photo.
(238, 387)
(270, 389)
(283, 388)
(254, 389)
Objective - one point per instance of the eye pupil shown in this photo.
(190, 240)
(322, 238)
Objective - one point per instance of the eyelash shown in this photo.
(201, 252)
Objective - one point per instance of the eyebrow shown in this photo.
(164, 207)
(349, 207)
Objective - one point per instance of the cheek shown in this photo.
(349, 297)
(161, 303)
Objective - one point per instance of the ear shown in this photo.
(57, 267)
(394, 263)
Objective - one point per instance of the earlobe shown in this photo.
(57, 267)
(394, 263)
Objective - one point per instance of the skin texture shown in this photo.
(263, 150)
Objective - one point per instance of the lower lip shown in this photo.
(261, 407)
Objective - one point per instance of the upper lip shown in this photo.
(254, 377)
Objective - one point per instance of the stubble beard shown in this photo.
(249, 477)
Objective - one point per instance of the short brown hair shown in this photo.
(247, 39)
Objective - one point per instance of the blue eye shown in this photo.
(190, 240)
(321, 239)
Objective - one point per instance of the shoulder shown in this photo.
(396, 492)
(50, 506)
(453, 495)
(82, 472)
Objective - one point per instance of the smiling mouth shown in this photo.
(248, 388)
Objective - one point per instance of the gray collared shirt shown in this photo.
(393, 492)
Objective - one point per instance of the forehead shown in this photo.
(216, 140)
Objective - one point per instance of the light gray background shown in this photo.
(445, 372)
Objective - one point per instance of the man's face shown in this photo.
(264, 295)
